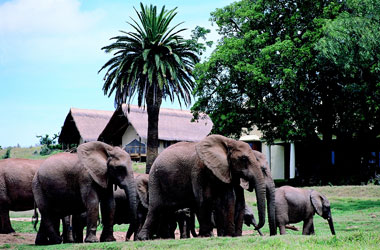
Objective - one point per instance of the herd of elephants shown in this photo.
(204, 179)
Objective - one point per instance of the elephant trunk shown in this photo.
(270, 192)
(129, 188)
(331, 224)
(260, 190)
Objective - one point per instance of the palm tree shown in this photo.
(153, 62)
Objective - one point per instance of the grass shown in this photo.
(355, 209)
(27, 153)
(138, 167)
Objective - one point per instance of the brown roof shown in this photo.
(173, 125)
(85, 123)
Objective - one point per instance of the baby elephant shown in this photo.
(294, 205)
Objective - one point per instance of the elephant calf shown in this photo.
(249, 218)
(294, 205)
(122, 214)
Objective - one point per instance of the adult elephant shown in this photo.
(69, 184)
(205, 176)
(16, 194)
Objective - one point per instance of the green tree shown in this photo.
(153, 62)
(260, 72)
(349, 55)
(48, 144)
(299, 70)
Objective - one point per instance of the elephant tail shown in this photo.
(35, 217)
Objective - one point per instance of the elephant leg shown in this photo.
(191, 224)
(107, 208)
(150, 223)
(47, 233)
(308, 226)
(92, 204)
(42, 237)
(282, 229)
(166, 227)
(225, 214)
(204, 219)
(131, 230)
(183, 224)
(141, 216)
(5, 222)
(184, 229)
(67, 232)
(312, 232)
(239, 210)
(56, 224)
(78, 225)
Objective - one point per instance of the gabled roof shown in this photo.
(85, 123)
(173, 124)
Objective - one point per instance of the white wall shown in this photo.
(129, 135)
(278, 161)
(161, 147)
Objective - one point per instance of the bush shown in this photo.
(45, 150)
(48, 144)
(7, 154)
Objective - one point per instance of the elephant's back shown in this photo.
(58, 164)
(179, 155)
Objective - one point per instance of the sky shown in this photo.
(50, 55)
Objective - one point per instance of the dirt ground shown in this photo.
(28, 238)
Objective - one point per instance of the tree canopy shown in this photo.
(153, 62)
(298, 70)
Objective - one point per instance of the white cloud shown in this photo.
(48, 31)
(45, 16)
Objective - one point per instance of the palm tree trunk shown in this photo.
(153, 108)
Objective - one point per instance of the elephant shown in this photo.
(16, 194)
(249, 218)
(122, 208)
(70, 184)
(204, 176)
(294, 205)
(166, 229)
(186, 222)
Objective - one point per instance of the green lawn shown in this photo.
(355, 209)
(26, 153)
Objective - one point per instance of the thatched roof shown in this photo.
(85, 123)
(173, 125)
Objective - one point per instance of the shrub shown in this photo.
(7, 154)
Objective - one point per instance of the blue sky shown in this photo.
(50, 53)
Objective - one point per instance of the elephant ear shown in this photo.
(213, 153)
(93, 157)
(316, 201)
(142, 189)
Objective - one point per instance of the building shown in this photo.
(128, 128)
(83, 125)
(280, 155)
